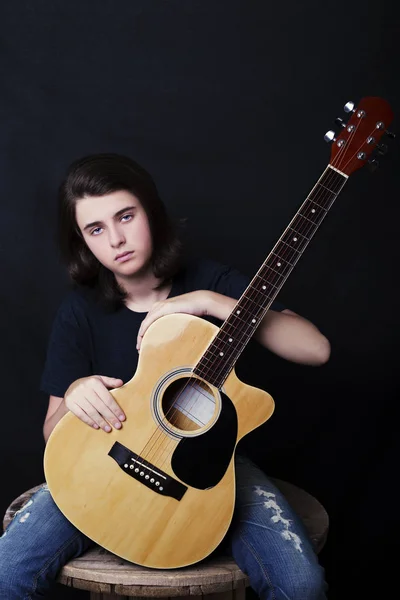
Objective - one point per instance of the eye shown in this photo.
(94, 230)
(128, 215)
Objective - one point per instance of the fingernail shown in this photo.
(121, 417)
(95, 426)
(107, 428)
(117, 425)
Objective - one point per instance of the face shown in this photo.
(115, 224)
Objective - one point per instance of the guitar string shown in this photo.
(317, 224)
(243, 333)
(282, 252)
(330, 176)
(327, 180)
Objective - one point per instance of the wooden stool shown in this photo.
(108, 576)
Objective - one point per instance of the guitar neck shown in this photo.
(236, 331)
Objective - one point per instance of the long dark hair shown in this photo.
(97, 175)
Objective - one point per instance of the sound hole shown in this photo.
(188, 404)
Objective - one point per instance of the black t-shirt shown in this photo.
(86, 339)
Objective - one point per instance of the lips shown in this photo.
(124, 255)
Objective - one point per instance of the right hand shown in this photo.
(89, 399)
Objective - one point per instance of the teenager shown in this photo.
(128, 269)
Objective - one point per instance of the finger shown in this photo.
(158, 310)
(150, 318)
(83, 416)
(109, 399)
(107, 406)
(87, 404)
(110, 381)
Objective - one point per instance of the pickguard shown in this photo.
(202, 461)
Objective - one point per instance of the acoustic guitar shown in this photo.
(160, 492)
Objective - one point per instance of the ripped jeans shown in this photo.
(266, 538)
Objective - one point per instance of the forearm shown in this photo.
(288, 335)
(52, 421)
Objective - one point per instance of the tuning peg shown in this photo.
(390, 134)
(382, 149)
(330, 136)
(340, 122)
(349, 107)
(373, 165)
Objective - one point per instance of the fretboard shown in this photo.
(221, 355)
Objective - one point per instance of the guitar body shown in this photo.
(193, 453)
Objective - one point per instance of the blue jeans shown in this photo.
(266, 539)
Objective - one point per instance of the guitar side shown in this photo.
(119, 512)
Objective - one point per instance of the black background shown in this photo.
(226, 104)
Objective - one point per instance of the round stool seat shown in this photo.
(108, 576)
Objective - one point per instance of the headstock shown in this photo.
(360, 136)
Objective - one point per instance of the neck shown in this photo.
(140, 287)
(236, 331)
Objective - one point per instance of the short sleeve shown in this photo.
(227, 280)
(68, 355)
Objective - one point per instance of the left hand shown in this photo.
(194, 303)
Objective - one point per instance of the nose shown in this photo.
(115, 236)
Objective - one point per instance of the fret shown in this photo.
(325, 200)
(336, 180)
(230, 336)
(299, 214)
(213, 359)
(253, 301)
(266, 283)
(267, 266)
(316, 204)
(312, 209)
(295, 240)
(297, 233)
(290, 246)
(243, 305)
(280, 259)
(325, 188)
(278, 264)
(215, 362)
(233, 328)
(249, 320)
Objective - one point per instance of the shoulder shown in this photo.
(203, 273)
(76, 305)
(204, 269)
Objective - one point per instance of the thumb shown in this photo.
(110, 381)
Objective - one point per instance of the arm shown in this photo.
(56, 410)
(285, 333)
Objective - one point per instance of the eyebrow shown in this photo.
(117, 214)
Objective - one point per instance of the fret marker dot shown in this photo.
(313, 210)
(279, 264)
(221, 353)
(253, 321)
(264, 287)
(238, 312)
(295, 239)
(230, 340)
